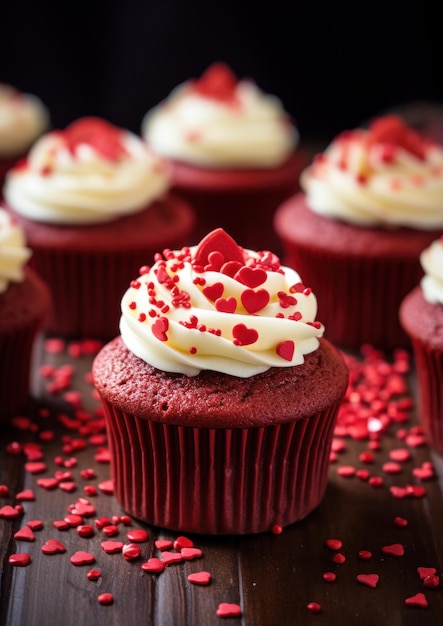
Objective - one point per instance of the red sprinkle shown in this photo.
(105, 598)
(21, 559)
(153, 565)
(111, 547)
(228, 609)
(339, 558)
(365, 555)
(395, 549)
(53, 546)
(138, 535)
(419, 600)
(94, 574)
(329, 577)
(200, 578)
(82, 558)
(370, 580)
(313, 607)
(131, 551)
(334, 544)
(182, 542)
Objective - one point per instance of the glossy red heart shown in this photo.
(228, 609)
(418, 600)
(285, 349)
(153, 565)
(200, 578)
(218, 241)
(226, 305)
(244, 336)
(395, 549)
(53, 546)
(213, 292)
(21, 559)
(160, 327)
(82, 558)
(370, 580)
(254, 301)
(251, 277)
(24, 534)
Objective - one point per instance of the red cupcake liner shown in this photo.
(358, 298)
(219, 481)
(16, 358)
(429, 368)
(87, 288)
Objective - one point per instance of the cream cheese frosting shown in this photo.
(387, 175)
(217, 306)
(431, 260)
(220, 122)
(89, 173)
(13, 251)
(23, 118)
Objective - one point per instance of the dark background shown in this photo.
(333, 65)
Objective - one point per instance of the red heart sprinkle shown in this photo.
(27, 495)
(105, 598)
(24, 534)
(131, 551)
(432, 582)
(244, 336)
(313, 607)
(217, 83)
(104, 137)
(218, 241)
(82, 558)
(254, 301)
(159, 328)
(111, 547)
(47, 483)
(418, 600)
(183, 542)
(370, 580)
(53, 546)
(163, 544)
(334, 544)
(395, 549)
(228, 609)
(35, 524)
(104, 456)
(21, 559)
(191, 553)
(251, 277)
(139, 535)
(35, 467)
(213, 292)
(423, 473)
(93, 574)
(200, 578)
(9, 512)
(423, 572)
(230, 268)
(86, 510)
(285, 350)
(227, 305)
(171, 557)
(85, 530)
(153, 565)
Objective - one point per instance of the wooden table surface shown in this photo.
(273, 577)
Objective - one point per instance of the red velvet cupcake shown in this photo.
(24, 305)
(220, 395)
(234, 153)
(371, 203)
(421, 315)
(23, 118)
(95, 206)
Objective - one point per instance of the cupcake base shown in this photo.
(242, 202)
(359, 275)
(24, 308)
(423, 322)
(87, 267)
(215, 454)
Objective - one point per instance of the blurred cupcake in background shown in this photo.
(24, 306)
(421, 315)
(23, 118)
(95, 205)
(371, 202)
(234, 151)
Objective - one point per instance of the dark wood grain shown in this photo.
(272, 577)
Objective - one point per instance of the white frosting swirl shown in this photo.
(431, 260)
(180, 317)
(13, 251)
(83, 180)
(23, 118)
(241, 128)
(375, 181)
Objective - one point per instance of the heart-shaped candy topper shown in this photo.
(102, 136)
(218, 241)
